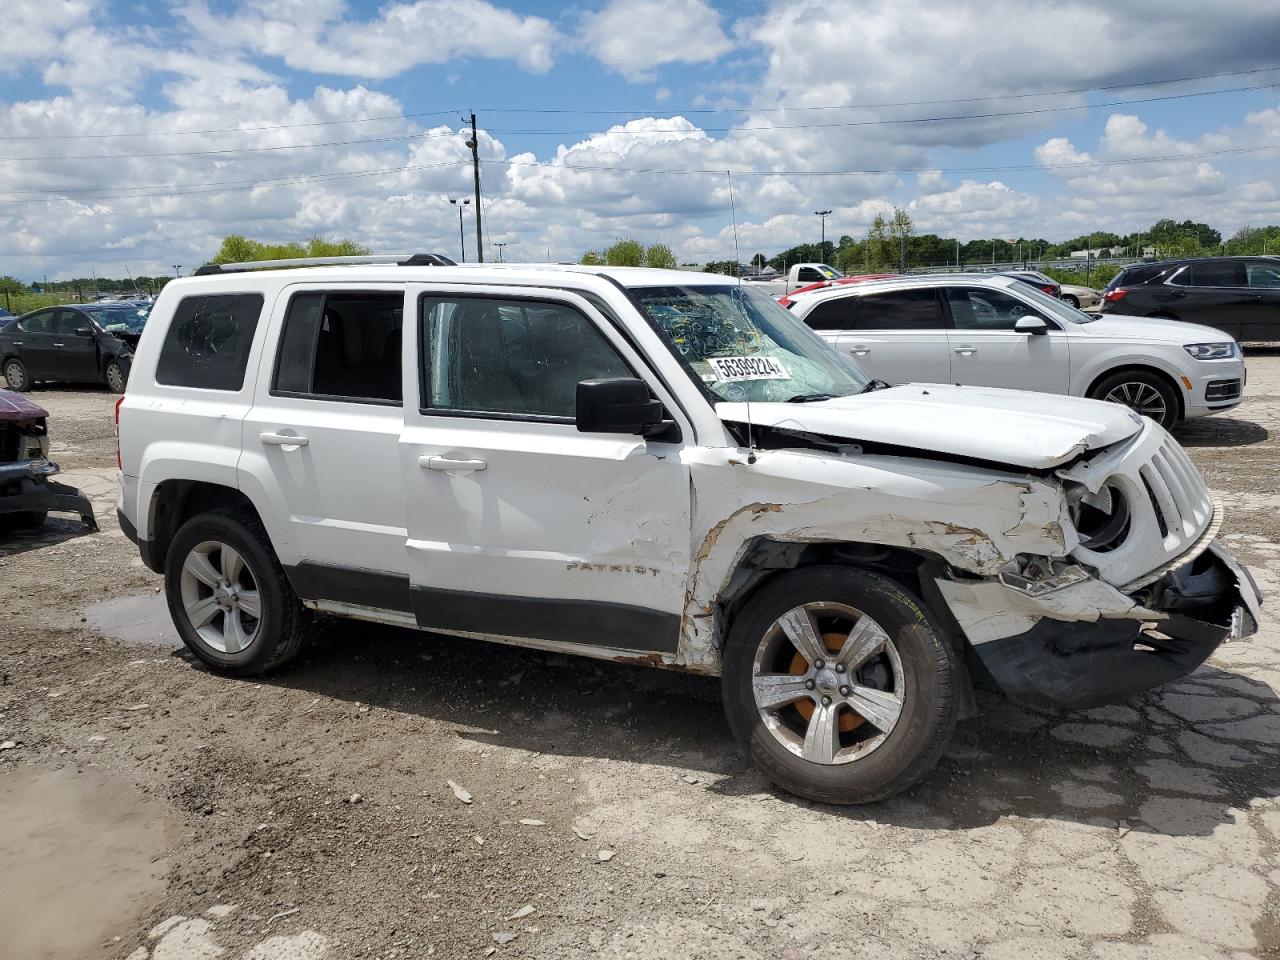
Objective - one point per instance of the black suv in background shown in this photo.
(1238, 295)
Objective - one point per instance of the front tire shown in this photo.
(1142, 392)
(838, 686)
(15, 375)
(229, 596)
(114, 375)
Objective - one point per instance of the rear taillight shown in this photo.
(119, 462)
(1111, 296)
(1052, 291)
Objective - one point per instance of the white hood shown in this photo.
(1032, 430)
(1118, 327)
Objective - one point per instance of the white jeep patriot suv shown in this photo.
(660, 468)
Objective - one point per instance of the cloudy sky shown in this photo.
(137, 133)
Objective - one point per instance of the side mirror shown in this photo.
(1031, 324)
(616, 405)
(84, 331)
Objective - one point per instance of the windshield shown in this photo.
(121, 319)
(1055, 307)
(742, 345)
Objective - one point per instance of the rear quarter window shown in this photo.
(208, 340)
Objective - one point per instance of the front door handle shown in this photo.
(966, 351)
(283, 440)
(59, 344)
(450, 466)
(859, 350)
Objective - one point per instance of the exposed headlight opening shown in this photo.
(1101, 519)
(1212, 351)
(1037, 576)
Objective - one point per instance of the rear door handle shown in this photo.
(282, 440)
(449, 466)
(859, 350)
(966, 350)
(58, 344)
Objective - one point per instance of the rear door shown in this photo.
(1213, 292)
(519, 525)
(1263, 322)
(322, 438)
(986, 350)
(898, 336)
(33, 341)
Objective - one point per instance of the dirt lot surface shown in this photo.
(153, 811)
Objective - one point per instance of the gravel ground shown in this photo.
(152, 811)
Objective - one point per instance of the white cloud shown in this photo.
(635, 37)
(314, 36)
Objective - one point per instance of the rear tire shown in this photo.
(1143, 392)
(229, 596)
(866, 728)
(114, 375)
(15, 375)
(1071, 300)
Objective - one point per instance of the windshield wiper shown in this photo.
(875, 385)
(810, 397)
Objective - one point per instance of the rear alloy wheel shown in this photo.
(115, 377)
(229, 597)
(1071, 300)
(15, 375)
(1144, 393)
(838, 685)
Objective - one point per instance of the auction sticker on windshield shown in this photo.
(731, 369)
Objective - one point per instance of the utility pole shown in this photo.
(474, 144)
(957, 253)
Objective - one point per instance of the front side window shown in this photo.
(899, 310)
(740, 344)
(511, 357)
(208, 341)
(342, 346)
(1217, 273)
(974, 308)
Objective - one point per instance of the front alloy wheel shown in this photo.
(838, 685)
(828, 682)
(115, 377)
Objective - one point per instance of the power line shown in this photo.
(698, 111)
(495, 130)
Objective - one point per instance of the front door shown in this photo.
(987, 351)
(519, 525)
(77, 352)
(323, 438)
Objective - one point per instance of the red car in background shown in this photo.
(823, 284)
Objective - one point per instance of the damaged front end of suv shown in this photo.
(27, 494)
(1144, 596)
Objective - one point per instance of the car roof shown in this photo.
(997, 280)
(464, 272)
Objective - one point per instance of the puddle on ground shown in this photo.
(142, 620)
(83, 856)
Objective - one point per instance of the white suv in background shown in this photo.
(995, 331)
(658, 468)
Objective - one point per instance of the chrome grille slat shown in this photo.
(1177, 489)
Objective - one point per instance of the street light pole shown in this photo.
(500, 246)
(822, 247)
(462, 242)
(177, 269)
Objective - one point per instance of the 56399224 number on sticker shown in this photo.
(729, 369)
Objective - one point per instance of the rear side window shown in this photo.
(342, 346)
(1217, 273)
(41, 322)
(207, 345)
(1263, 274)
(899, 310)
(830, 314)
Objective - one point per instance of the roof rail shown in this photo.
(399, 259)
